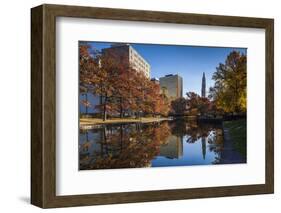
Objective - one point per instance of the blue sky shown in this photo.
(187, 61)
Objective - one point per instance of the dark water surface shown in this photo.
(168, 143)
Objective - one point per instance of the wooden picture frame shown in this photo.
(43, 105)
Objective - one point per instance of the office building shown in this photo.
(129, 54)
(171, 86)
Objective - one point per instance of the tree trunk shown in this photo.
(137, 115)
(121, 108)
(87, 103)
(104, 108)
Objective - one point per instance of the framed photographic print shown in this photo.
(136, 106)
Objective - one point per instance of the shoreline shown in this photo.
(84, 122)
(230, 154)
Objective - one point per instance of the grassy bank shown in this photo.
(238, 134)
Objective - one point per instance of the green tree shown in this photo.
(229, 91)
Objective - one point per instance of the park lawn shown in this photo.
(238, 133)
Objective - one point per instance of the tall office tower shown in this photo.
(171, 86)
(203, 88)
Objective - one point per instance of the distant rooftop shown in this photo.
(168, 75)
(119, 44)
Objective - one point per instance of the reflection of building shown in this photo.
(128, 53)
(203, 88)
(171, 86)
(173, 148)
(203, 141)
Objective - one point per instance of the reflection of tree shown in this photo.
(195, 132)
(215, 141)
(84, 147)
(128, 146)
(136, 145)
(192, 130)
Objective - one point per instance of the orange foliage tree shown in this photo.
(121, 88)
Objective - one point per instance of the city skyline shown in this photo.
(151, 105)
(187, 61)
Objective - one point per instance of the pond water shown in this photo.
(162, 144)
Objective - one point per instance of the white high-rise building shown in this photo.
(134, 58)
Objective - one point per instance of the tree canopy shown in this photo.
(229, 92)
(121, 87)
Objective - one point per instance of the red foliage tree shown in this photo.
(121, 88)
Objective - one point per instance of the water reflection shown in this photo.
(169, 143)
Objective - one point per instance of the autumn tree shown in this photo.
(229, 91)
(154, 101)
(201, 104)
(122, 88)
(87, 68)
(164, 105)
(204, 105)
(179, 105)
(192, 100)
(99, 73)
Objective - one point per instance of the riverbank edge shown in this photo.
(229, 144)
(84, 122)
